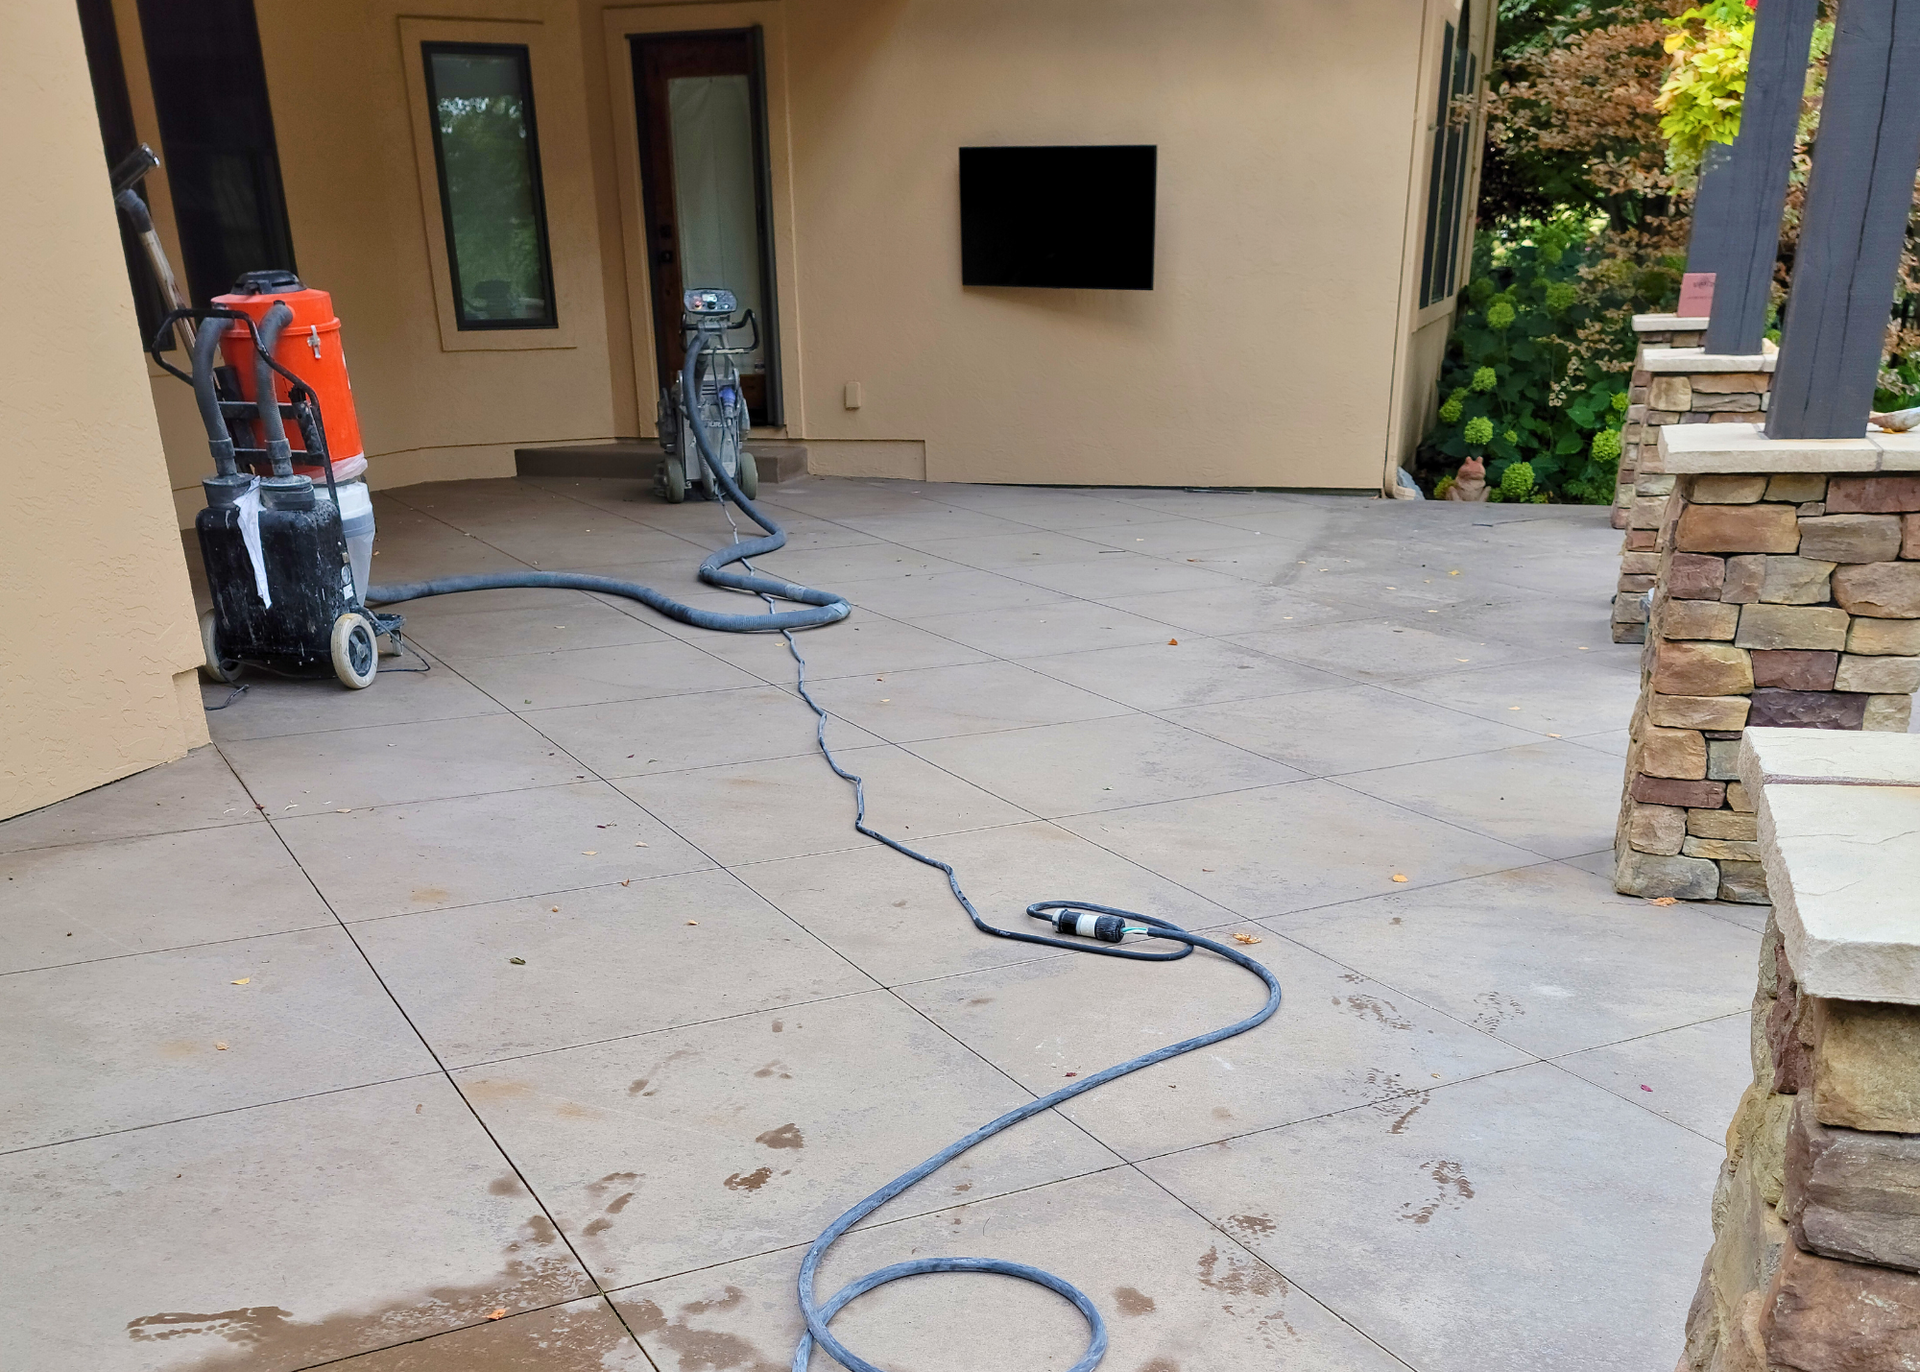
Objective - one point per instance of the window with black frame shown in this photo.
(486, 149)
(1453, 128)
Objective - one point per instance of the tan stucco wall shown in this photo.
(97, 638)
(1274, 350)
(432, 404)
(1265, 353)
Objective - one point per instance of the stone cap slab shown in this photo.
(1842, 855)
(1705, 448)
(1669, 323)
(1833, 757)
(1698, 360)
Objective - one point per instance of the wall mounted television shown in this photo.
(1074, 216)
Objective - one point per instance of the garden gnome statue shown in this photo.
(1470, 483)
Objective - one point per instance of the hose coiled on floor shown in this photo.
(828, 608)
(819, 1314)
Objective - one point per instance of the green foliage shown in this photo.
(1700, 101)
(1899, 386)
(1536, 370)
(1516, 483)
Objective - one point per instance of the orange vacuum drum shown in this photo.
(310, 349)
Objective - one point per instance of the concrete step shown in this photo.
(777, 459)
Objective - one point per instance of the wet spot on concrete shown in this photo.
(1250, 1224)
(599, 1226)
(1220, 1112)
(698, 1350)
(1452, 1189)
(981, 1000)
(1132, 1302)
(1160, 1365)
(637, 1086)
(429, 895)
(509, 1185)
(774, 1068)
(619, 1203)
(779, 1026)
(749, 1181)
(786, 1136)
(1378, 1010)
(1495, 1010)
(540, 1230)
(1401, 1103)
(253, 1337)
(727, 1300)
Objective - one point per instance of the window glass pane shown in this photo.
(488, 156)
(713, 187)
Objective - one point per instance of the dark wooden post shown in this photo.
(1712, 213)
(1859, 196)
(1748, 204)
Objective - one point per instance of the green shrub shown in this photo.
(1536, 370)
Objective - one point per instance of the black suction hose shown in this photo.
(206, 345)
(273, 433)
(827, 608)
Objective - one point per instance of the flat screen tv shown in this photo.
(1078, 216)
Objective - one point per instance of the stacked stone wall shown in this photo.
(1665, 392)
(1651, 332)
(1788, 600)
(1815, 1264)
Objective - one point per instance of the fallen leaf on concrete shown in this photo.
(221, 1046)
(1645, 1087)
(243, 981)
(1665, 900)
(1246, 938)
(627, 882)
(1173, 643)
(639, 845)
(693, 921)
(556, 909)
(589, 852)
(518, 962)
(1399, 876)
(499, 1314)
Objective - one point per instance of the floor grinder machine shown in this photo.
(288, 548)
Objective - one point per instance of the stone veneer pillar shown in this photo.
(1815, 1263)
(1650, 331)
(1787, 594)
(1672, 386)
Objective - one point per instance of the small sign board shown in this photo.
(1696, 295)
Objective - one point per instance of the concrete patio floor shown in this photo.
(555, 982)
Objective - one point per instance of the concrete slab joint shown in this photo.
(1761, 615)
(1815, 1261)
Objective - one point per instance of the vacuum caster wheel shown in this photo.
(214, 668)
(356, 655)
(674, 475)
(747, 476)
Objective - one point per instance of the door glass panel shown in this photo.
(711, 118)
(488, 154)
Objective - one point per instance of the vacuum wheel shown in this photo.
(356, 654)
(214, 668)
(673, 474)
(747, 476)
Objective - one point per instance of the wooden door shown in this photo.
(703, 179)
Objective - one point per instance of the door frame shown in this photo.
(764, 18)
